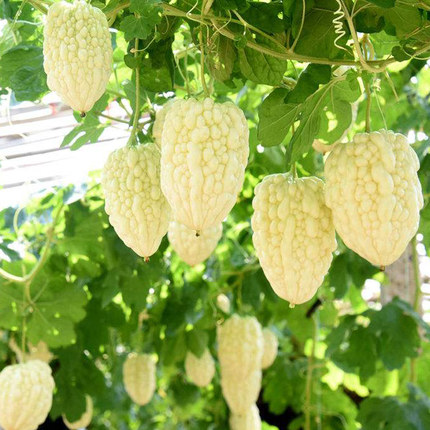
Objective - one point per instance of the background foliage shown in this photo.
(68, 280)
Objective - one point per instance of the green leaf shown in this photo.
(404, 19)
(353, 348)
(265, 16)
(259, 67)
(58, 306)
(408, 310)
(423, 369)
(309, 123)
(147, 16)
(318, 33)
(300, 326)
(197, 341)
(338, 115)
(425, 218)
(77, 376)
(309, 81)
(342, 89)
(340, 409)
(383, 3)
(95, 329)
(369, 19)
(184, 393)
(21, 70)
(276, 117)
(134, 291)
(221, 64)
(181, 308)
(84, 227)
(279, 110)
(157, 69)
(12, 304)
(252, 286)
(288, 7)
(400, 54)
(155, 79)
(386, 413)
(230, 5)
(390, 414)
(398, 334)
(383, 43)
(284, 385)
(338, 275)
(391, 336)
(135, 286)
(90, 129)
(174, 349)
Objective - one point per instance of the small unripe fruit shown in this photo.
(240, 346)
(270, 348)
(200, 370)
(240, 393)
(223, 303)
(191, 248)
(139, 375)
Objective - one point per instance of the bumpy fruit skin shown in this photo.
(200, 370)
(135, 204)
(204, 153)
(240, 346)
(25, 395)
(249, 421)
(85, 419)
(77, 53)
(270, 350)
(191, 248)
(241, 394)
(160, 117)
(373, 190)
(139, 375)
(294, 235)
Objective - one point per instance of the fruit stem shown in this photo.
(132, 139)
(368, 105)
(124, 121)
(24, 325)
(202, 64)
(417, 299)
(365, 64)
(37, 5)
(308, 390)
(294, 170)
